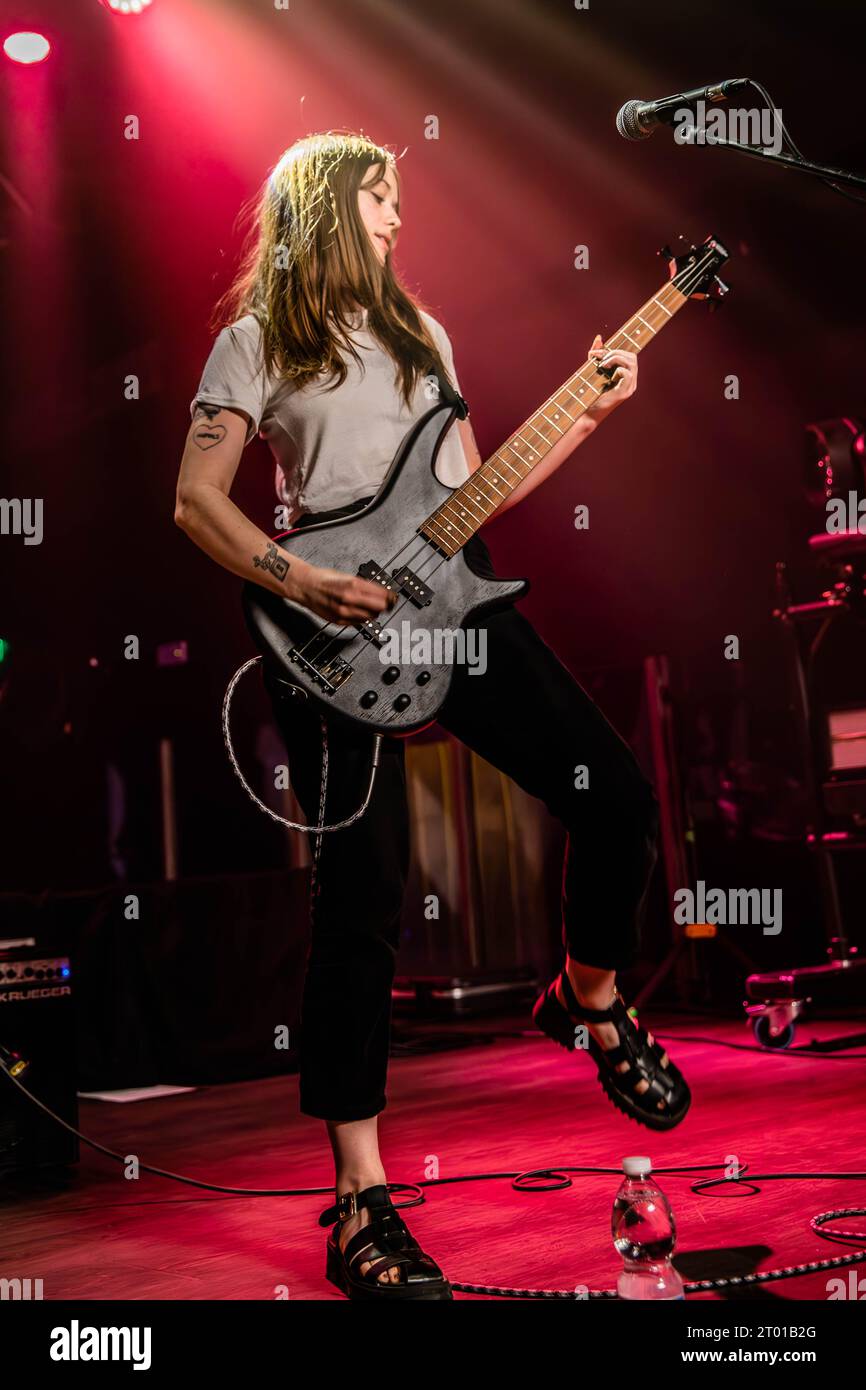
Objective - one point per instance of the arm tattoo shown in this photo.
(273, 561)
(206, 435)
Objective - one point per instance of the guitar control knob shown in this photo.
(368, 698)
(422, 678)
(402, 701)
(391, 675)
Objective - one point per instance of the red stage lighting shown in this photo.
(126, 6)
(26, 47)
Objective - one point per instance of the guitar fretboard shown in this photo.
(475, 501)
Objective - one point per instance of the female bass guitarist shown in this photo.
(326, 354)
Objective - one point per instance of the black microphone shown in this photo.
(638, 119)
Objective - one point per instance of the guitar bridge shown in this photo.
(329, 672)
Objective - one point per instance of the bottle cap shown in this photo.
(637, 1167)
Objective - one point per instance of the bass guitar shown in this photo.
(410, 539)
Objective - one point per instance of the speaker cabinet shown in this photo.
(37, 1023)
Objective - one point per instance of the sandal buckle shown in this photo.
(347, 1206)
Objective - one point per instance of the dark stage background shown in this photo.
(113, 252)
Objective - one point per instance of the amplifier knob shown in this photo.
(422, 678)
(391, 675)
(368, 698)
(402, 701)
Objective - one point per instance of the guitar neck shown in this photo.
(476, 500)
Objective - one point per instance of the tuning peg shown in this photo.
(666, 252)
(717, 291)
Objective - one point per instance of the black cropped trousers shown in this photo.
(527, 716)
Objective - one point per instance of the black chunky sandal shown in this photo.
(665, 1082)
(387, 1243)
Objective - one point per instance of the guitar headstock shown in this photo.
(695, 270)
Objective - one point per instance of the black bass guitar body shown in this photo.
(351, 669)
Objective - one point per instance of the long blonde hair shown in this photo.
(309, 263)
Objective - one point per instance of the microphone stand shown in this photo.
(787, 161)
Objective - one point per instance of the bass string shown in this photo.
(350, 628)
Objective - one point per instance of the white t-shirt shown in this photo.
(331, 447)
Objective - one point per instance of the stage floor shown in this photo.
(510, 1104)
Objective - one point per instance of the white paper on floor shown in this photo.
(135, 1093)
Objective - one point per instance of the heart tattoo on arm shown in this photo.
(207, 435)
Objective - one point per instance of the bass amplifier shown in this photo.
(37, 1041)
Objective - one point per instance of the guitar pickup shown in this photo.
(372, 631)
(404, 581)
(414, 589)
(370, 570)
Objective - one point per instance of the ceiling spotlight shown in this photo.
(126, 6)
(26, 47)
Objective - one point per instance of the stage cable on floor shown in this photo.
(540, 1180)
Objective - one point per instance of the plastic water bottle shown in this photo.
(644, 1233)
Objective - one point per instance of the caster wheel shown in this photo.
(761, 1029)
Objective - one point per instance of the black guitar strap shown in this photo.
(453, 397)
